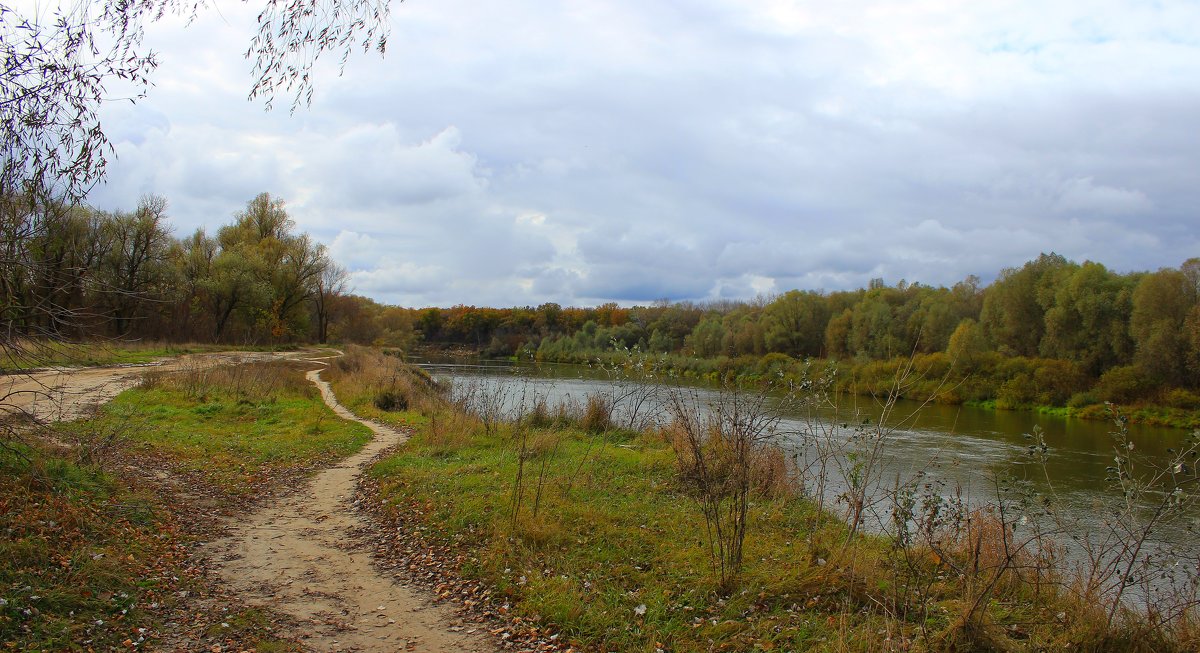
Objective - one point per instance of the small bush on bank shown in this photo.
(1123, 385)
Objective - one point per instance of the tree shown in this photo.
(332, 283)
(137, 256)
(795, 322)
(58, 71)
(1086, 319)
(1013, 316)
(1162, 304)
(966, 344)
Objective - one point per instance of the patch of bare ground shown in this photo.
(306, 556)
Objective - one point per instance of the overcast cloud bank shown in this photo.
(581, 152)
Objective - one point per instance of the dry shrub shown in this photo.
(773, 474)
(771, 471)
(539, 416)
(989, 561)
(972, 632)
(597, 414)
(391, 400)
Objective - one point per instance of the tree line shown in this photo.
(1039, 334)
(68, 271)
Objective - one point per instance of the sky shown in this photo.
(529, 151)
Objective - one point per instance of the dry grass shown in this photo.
(771, 471)
(615, 559)
(381, 386)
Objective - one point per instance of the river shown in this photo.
(963, 450)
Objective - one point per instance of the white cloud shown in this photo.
(1083, 194)
(596, 150)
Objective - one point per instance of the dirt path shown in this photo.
(298, 556)
(58, 395)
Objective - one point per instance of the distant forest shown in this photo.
(1052, 332)
(1049, 333)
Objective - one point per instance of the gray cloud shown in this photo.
(593, 151)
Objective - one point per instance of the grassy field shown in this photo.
(597, 535)
(94, 551)
(240, 426)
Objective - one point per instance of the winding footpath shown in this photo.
(299, 556)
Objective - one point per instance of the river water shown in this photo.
(963, 451)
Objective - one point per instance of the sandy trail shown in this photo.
(297, 556)
(58, 395)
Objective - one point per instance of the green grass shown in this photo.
(618, 535)
(241, 426)
(81, 557)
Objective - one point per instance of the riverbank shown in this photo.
(598, 536)
(992, 382)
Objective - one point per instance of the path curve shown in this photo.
(297, 555)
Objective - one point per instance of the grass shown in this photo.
(82, 558)
(88, 561)
(240, 426)
(615, 537)
(595, 537)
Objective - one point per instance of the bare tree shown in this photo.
(334, 281)
(58, 68)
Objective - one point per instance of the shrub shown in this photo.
(1081, 399)
(1016, 392)
(1123, 385)
(1180, 398)
(391, 400)
(597, 415)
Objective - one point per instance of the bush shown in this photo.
(1056, 381)
(1016, 392)
(1180, 398)
(1081, 399)
(1123, 385)
(597, 415)
(391, 400)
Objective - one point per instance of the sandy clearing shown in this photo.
(59, 395)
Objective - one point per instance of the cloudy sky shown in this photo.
(516, 152)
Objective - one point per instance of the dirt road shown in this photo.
(57, 395)
(298, 555)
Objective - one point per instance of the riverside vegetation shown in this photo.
(1051, 335)
(704, 531)
(99, 515)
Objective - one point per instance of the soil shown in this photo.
(305, 556)
(301, 556)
